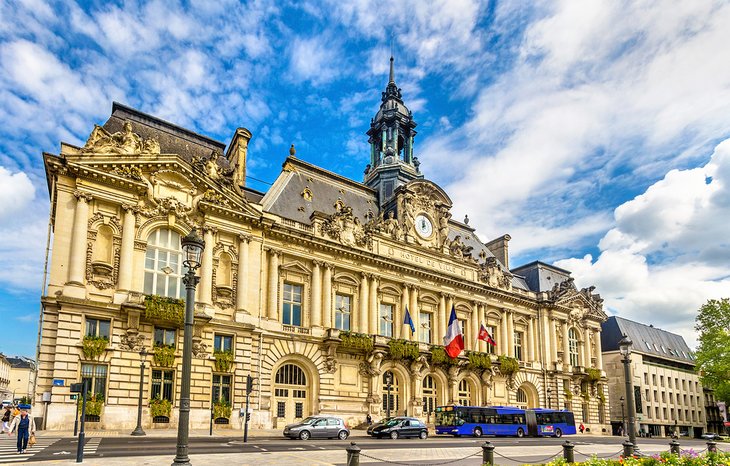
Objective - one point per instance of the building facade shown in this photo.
(667, 391)
(5, 391)
(22, 376)
(303, 287)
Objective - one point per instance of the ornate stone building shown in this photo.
(303, 287)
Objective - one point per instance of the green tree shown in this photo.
(713, 354)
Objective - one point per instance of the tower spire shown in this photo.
(392, 71)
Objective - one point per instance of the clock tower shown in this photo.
(391, 133)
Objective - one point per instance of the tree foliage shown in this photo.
(713, 353)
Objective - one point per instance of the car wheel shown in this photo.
(478, 432)
(342, 435)
(304, 435)
(558, 433)
(423, 435)
(394, 434)
(520, 432)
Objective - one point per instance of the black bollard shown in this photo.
(674, 447)
(488, 453)
(628, 449)
(568, 452)
(353, 455)
(712, 446)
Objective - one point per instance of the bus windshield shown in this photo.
(448, 418)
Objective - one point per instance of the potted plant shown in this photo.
(164, 308)
(94, 404)
(223, 360)
(221, 409)
(403, 349)
(93, 346)
(163, 355)
(356, 341)
(160, 407)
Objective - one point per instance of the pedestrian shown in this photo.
(25, 426)
(581, 428)
(369, 419)
(6, 418)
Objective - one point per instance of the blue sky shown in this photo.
(594, 133)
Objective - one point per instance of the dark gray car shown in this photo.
(318, 427)
(401, 427)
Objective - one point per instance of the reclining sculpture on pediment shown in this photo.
(125, 142)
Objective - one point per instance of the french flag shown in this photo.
(454, 339)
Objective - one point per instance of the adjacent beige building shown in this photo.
(22, 376)
(667, 389)
(304, 287)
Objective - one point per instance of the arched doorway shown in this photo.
(521, 399)
(430, 398)
(526, 396)
(464, 395)
(391, 385)
(291, 394)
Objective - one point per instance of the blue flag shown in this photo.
(408, 321)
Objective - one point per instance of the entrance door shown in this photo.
(291, 397)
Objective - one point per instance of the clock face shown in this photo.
(424, 227)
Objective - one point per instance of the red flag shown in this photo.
(484, 335)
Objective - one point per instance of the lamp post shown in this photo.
(549, 397)
(192, 246)
(623, 417)
(625, 349)
(388, 384)
(138, 430)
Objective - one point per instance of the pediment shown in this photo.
(296, 267)
(583, 303)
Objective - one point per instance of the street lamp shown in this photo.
(388, 384)
(192, 246)
(549, 397)
(138, 430)
(625, 349)
(623, 417)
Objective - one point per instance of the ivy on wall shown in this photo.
(93, 347)
(221, 408)
(593, 375)
(480, 361)
(439, 357)
(94, 404)
(163, 355)
(403, 349)
(160, 407)
(508, 366)
(223, 360)
(357, 341)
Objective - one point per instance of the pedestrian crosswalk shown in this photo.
(9, 449)
(91, 445)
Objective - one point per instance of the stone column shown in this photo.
(327, 296)
(482, 317)
(566, 345)
(374, 308)
(586, 348)
(530, 341)
(510, 334)
(415, 312)
(242, 282)
(503, 333)
(546, 337)
(599, 357)
(79, 239)
(474, 327)
(364, 301)
(316, 294)
(553, 338)
(273, 303)
(126, 253)
(443, 319)
(206, 267)
(399, 327)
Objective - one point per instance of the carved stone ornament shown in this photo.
(128, 171)
(170, 205)
(491, 273)
(200, 349)
(132, 340)
(565, 293)
(371, 366)
(215, 198)
(215, 167)
(125, 142)
(345, 227)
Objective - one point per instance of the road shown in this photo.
(293, 452)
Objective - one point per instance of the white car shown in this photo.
(713, 436)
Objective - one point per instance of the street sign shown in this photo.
(74, 396)
(77, 387)
(58, 382)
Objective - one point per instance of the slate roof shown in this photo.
(646, 339)
(540, 276)
(20, 362)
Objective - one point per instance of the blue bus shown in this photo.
(503, 421)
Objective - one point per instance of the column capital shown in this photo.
(82, 196)
(329, 265)
(273, 251)
(244, 238)
(209, 229)
(133, 208)
(318, 262)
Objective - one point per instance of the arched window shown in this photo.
(521, 396)
(103, 250)
(163, 264)
(573, 347)
(291, 394)
(223, 274)
(464, 395)
(392, 402)
(429, 395)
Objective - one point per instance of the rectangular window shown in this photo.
(343, 309)
(653, 379)
(646, 379)
(280, 409)
(386, 320)
(94, 375)
(162, 383)
(221, 387)
(518, 345)
(490, 348)
(424, 322)
(165, 337)
(223, 343)
(462, 324)
(97, 328)
(292, 311)
(298, 409)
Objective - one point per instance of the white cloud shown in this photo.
(314, 59)
(16, 192)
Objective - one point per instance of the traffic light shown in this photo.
(249, 384)
(248, 417)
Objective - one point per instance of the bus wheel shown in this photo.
(558, 433)
(520, 432)
(478, 432)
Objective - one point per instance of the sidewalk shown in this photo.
(221, 433)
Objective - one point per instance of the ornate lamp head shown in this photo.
(625, 346)
(193, 246)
